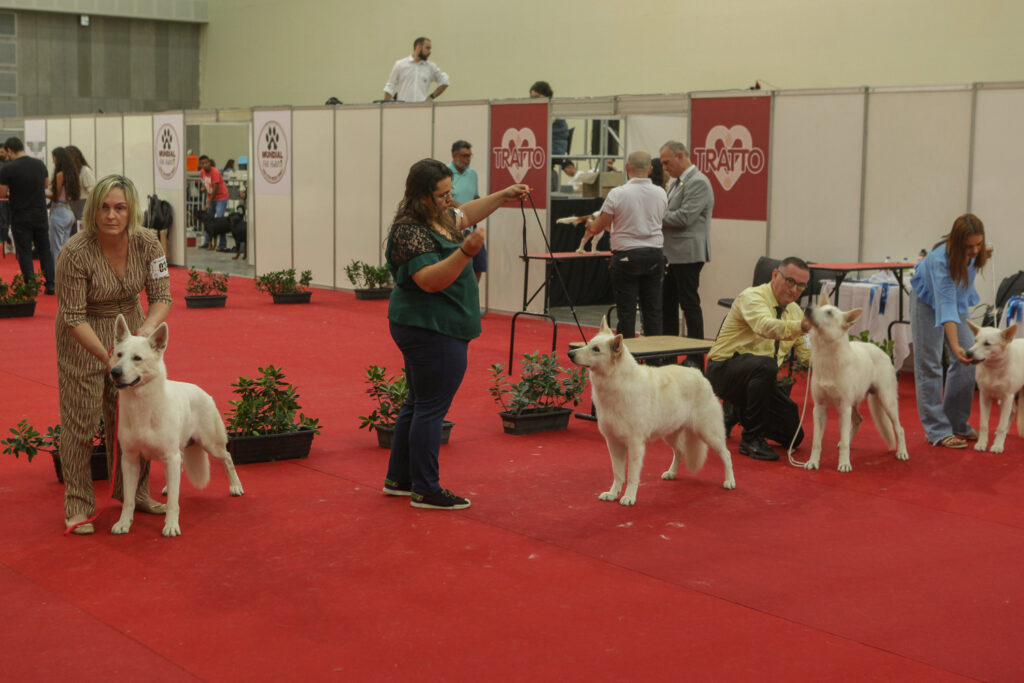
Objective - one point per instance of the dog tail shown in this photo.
(695, 451)
(882, 422)
(197, 465)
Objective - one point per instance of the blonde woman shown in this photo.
(100, 273)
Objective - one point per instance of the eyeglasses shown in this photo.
(443, 197)
(800, 286)
(464, 155)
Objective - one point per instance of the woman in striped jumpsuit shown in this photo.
(100, 273)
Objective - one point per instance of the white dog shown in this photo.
(844, 373)
(158, 419)
(577, 220)
(636, 403)
(1000, 375)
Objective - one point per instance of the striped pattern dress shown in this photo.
(89, 290)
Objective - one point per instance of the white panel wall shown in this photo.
(83, 136)
(407, 136)
(58, 134)
(313, 193)
(650, 131)
(817, 144)
(505, 268)
(357, 205)
(998, 179)
(735, 248)
(918, 157)
(138, 152)
(472, 124)
(109, 146)
(271, 223)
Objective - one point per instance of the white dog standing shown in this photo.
(844, 373)
(158, 419)
(636, 403)
(1000, 375)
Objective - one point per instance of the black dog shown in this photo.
(233, 224)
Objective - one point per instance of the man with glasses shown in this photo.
(764, 323)
(465, 188)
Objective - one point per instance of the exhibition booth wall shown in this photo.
(852, 175)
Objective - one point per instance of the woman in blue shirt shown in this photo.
(943, 292)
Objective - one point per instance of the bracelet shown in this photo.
(468, 255)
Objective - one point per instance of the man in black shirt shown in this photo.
(23, 179)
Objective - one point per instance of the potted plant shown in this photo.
(791, 369)
(206, 290)
(284, 288)
(18, 299)
(371, 282)
(262, 424)
(537, 402)
(389, 394)
(26, 439)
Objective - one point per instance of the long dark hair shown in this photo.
(417, 205)
(77, 157)
(65, 165)
(967, 225)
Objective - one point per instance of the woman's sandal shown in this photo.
(972, 435)
(952, 441)
(82, 529)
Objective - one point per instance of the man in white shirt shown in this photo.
(634, 212)
(411, 76)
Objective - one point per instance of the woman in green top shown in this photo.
(433, 313)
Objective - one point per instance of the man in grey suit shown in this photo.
(687, 240)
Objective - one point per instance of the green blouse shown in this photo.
(453, 311)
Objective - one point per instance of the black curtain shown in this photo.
(586, 281)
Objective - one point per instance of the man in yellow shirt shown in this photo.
(764, 323)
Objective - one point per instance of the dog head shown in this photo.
(989, 342)
(137, 360)
(602, 352)
(829, 322)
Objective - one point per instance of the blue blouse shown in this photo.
(935, 286)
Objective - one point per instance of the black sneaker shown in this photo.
(393, 488)
(757, 448)
(439, 500)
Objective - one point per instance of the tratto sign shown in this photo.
(519, 149)
(168, 151)
(272, 152)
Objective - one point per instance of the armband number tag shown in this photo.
(158, 268)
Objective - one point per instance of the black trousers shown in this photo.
(25, 236)
(749, 383)
(682, 282)
(637, 275)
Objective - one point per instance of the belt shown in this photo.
(110, 309)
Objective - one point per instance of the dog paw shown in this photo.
(902, 455)
(729, 484)
(171, 530)
(845, 467)
(811, 465)
(121, 527)
(626, 500)
(995, 449)
(607, 495)
(668, 475)
(236, 490)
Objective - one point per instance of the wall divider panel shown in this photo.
(407, 135)
(271, 222)
(357, 203)
(138, 153)
(816, 169)
(313, 193)
(998, 179)
(109, 146)
(83, 136)
(918, 158)
(650, 131)
(58, 134)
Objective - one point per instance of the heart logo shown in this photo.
(728, 149)
(518, 147)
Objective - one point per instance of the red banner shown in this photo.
(519, 149)
(729, 139)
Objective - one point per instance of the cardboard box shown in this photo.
(600, 186)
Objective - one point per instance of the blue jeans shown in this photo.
(434, 365)
(637, 274)
(62, 220)
(217, 210)
(942, 412)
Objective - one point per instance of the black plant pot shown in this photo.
(25, 309)
(375, 293)
(206, 301)
(291, 297)
(270, 447)
(386, 434)
(98, 464)
(549, 420)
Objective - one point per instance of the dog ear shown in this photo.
(604, 324)
(1010, 332)
(850, 317)
(823, 299)
(974, 328)
(616, 346)
(120, 328)
(158, 340)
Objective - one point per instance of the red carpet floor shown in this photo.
(898, 571)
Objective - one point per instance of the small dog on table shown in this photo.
(578, 220)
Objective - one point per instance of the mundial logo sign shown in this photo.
(272, 152)
(168, 154)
